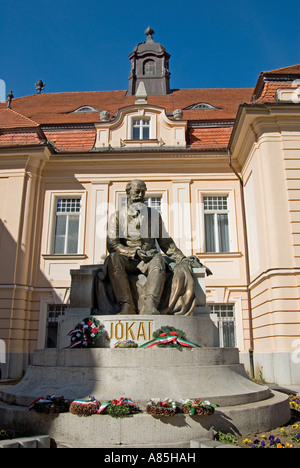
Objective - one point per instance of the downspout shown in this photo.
(251, 349)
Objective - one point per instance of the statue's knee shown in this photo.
(115, 260)
(157, 263)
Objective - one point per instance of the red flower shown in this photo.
(163, 334)
(89, 323)
(95, 330)
(174, 333)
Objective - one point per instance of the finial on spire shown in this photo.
(39, 86)
(149, 33)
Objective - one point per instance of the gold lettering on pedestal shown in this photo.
(141, 331)
(127, 331)
(150, 331)
(119, 330)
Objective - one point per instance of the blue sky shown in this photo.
(84, 45)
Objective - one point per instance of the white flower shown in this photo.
(207, 403)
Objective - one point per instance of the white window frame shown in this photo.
(141, 124)
(144, 115)
(54, 196)
(216, 315)
(232, 228)
(150, 194)
(215, 212)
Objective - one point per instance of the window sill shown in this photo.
(64, 256)
(149, 140)
(219, 254)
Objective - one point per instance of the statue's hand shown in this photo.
(194, 262)
(189, 261)
(146, 256)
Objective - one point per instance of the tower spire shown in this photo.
(150, 65)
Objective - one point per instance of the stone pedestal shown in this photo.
(199, 329)
(106, 372)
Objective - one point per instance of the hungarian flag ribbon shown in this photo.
(170, 339)
(120, 402)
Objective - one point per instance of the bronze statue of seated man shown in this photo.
(136, 236)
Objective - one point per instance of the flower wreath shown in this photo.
(50, 404)
(169, 337)
(167, 407)
(119, 408)
(86, 333)
(85, 407)
(126, 344)
(198, 407)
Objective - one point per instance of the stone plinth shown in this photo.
(199, 329)
(210, 373)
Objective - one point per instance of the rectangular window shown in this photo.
(141, 129)
(223, 317)
(54, 312)
(216, 224)
(66, 231)
(152, 202)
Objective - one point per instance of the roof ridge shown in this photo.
(21, 115)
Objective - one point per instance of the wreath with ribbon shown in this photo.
(169, 337)
(50, 404)
(198, 407)
(85, 407)
(86, 333)
(118, 408)
(167, 407)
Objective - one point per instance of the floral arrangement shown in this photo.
(50, 404)
(276, 442)
(169, 337)
(118, 408)
(86, 333)
(167, 407)
(85, 407)
(198, 407)
(126, 344)
(294, 401)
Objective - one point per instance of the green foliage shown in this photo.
(227, 438)
(166, 331)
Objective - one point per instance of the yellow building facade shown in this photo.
(221, 165)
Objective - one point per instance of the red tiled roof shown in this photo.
(58, 108)
(11, 119)
(210, 137)
(265, 88)
(54, 113)
(292, 70)
(72, 140)
(20, 139)
(17, 129)
(269, 91)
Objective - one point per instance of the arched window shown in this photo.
(149, 68)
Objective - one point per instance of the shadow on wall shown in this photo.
(20, 303)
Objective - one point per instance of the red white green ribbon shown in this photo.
(86, 402)
(120, 402)
(170, 339)
(41, 401)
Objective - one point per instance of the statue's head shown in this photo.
(136, 190)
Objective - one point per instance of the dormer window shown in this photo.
(201, 106)
(141, 129)
(149, 68)
(85, 110)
